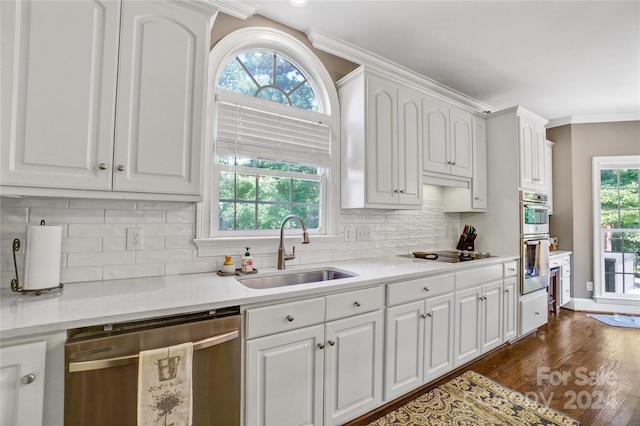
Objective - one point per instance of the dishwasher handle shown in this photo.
(98, 364)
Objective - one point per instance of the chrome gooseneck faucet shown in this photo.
(282, 256)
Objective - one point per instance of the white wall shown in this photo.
(94, 236)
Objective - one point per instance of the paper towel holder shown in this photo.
(15, 283)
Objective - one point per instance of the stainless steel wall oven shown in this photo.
(534, 241)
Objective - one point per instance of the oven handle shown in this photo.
(98, 364)
(536, 206)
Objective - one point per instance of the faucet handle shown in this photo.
(290, 256)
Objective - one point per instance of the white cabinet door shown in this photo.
(59, 63)
(527, 141)
(510, 315)
(409, 148)
(284, 375)
(540, 158)
(467, 343)
(460, 149)
(162, 79)
(353, 360)
(435, 151)
(22, 369)
(479, 186)
(381, 152)
(565, 291)
(438, 336)
(549, 176)
(404, 343)
(491, 310)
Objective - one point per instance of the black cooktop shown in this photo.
(450, 256)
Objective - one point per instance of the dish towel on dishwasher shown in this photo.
(542, 258)
(164, 386)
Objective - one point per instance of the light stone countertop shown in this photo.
(101, 302)
(558, 253)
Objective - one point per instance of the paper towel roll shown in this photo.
(42, 257)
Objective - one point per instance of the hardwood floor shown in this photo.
(574, 364)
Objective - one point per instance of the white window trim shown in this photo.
(229, 47)
(599, 163)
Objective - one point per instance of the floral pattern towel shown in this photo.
(164, 386)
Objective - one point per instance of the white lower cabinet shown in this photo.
(510, 318)
(478, 314)
(419, 334)
(326, 373)
(22, 379)
(534, 309)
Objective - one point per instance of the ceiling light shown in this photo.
(298, 3)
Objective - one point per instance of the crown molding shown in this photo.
(352, 53)
(593, 118)
(238, 9)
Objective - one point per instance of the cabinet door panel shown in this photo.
(285, 370)
(438, 351)
(509, 310)
(409, 148)
(404, 349)
(479, 183)
(436, 137)
(461, 143)
(161, 92)
(467, 323)
(59, 65)
(353, 383)
(381, 143)
(527, 152)
(22, 404)
(491, 309)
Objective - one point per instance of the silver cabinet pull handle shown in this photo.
(357, 304)
(102, 166)
(120, 168)
(98, 364)
(289, 318)
(28, 379)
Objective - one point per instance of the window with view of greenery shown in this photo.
(620, 229)
(256, 193)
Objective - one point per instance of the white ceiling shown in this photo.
(555, 58)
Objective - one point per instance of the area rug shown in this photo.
(472, 399)
(617, 320)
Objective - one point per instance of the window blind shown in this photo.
(247, 131)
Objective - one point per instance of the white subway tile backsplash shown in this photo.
(94, 236)
(132, 271)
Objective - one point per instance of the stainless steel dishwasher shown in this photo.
(101, 367)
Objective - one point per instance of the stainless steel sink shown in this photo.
(294, 278)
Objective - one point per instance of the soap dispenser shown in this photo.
(247, 261)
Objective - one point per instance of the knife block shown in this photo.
(465, 245)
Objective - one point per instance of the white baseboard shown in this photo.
(579, 304)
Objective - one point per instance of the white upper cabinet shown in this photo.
(447, 142)
(381, 143)
(106, 96)
(533, 160)
(59, 72)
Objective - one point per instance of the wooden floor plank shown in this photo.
(574, 364)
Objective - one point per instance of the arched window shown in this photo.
(268, 75)
(275, 132)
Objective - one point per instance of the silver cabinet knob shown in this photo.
(28, 379)
(289, 318)
(423, 316)
(321, 345)
(120, 168)
(331, 342)
(357, 304)
(102, 166)
(402, 191)
(426, 288)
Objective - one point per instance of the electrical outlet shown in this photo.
(363, 233)
(589, 286)
(134, 239)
